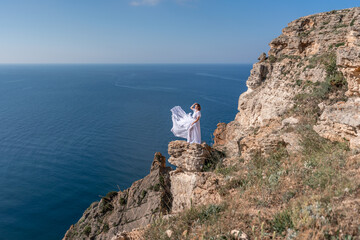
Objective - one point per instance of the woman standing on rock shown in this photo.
(187, 125)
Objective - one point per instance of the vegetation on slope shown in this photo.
(308, 195)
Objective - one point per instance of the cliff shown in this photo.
(162, 192)
(288, 166)
(315, 60)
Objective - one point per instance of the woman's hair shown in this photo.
(198, 106)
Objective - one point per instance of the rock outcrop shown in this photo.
(125, 210)
(189, 157)
(190, 186)
(161, 192)
(297, 59)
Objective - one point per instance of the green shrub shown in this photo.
(141, 196)
(272, 59)
(211, 163)
(155, 188)
(110, 195)
(337, 80)
(322, 160)
(352, 22)
(106, 228)
(340, 26)
(339, 44)
(288, 195)
(209, 212)
(225, 171)
(106, 207)
(123, 201)
(282, 221)
(87, 230)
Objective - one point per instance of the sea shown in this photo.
(70, 133)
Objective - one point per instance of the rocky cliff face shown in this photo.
(311, 51)
(125, 210)
(160, 193)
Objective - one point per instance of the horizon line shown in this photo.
(90, 63)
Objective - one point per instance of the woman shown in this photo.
(187, 125)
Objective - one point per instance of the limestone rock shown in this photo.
(341, 121)
(292, 142)
(238, 235)
(227, 138)
(196, 188)
(289, 121)
(220, 134)
(189, 157)
(169, 233)
(355, 144)
(262, 57)
(135, 234)
(188, 184)
(294, 60)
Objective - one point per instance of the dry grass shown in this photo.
(308, 196)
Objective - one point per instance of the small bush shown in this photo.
(123, 201)
(288, 195)
(225, 171)
(87, 230)
(162, 180)
(352, 22)
(211, 211)
(340, 26)
(272, 59)
(282, 221)
(232, 184)
(155, 188)
(106, 207)
(339, 44)
(141, 196)
(337, 80)
(106, 228)
(110, 195)
(211, 163)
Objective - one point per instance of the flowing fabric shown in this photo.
(182, 125)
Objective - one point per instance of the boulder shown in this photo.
(262, 57)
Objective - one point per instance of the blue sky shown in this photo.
(147, 31)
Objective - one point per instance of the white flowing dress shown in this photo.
(182, 125)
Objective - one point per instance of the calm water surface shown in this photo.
(69, 133)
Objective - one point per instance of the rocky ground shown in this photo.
(287, 167)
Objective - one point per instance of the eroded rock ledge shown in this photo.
(125, 210)
(312, 51)
(164, 191)
(189, 185)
